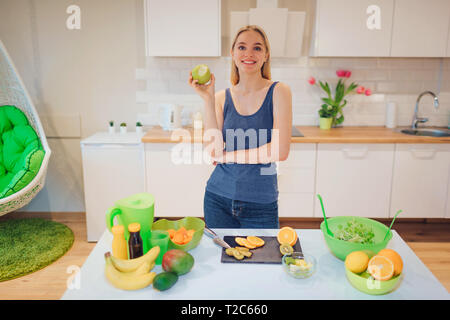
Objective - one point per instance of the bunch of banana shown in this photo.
(131, 274)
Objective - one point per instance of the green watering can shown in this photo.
(136, 208)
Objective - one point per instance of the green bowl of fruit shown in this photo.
(195, 224)
(299, 265)
(364, 282)
(355, 234)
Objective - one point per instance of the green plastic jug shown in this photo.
(136, 208)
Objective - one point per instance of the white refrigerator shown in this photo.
(113, 168)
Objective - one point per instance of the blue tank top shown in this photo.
(246, 182)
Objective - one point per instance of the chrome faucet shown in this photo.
(423, 120)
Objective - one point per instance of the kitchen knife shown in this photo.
(216, 238)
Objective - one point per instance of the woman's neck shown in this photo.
(249, 83)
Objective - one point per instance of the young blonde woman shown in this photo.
(254, 120)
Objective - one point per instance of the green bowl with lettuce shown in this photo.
(354, 234)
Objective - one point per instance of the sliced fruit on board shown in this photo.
(286, 248)
(255, 241)
(243, 242)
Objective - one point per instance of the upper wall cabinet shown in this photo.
(420, 28)
(382, 28)
(177, 28)
(352, 28)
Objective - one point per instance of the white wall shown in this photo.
(85, 77)
(81, 79)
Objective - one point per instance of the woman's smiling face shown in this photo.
(249, 53)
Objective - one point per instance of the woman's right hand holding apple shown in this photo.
(205, 91)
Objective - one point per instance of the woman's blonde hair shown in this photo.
(265, 70)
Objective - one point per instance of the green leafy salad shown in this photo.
(353, 231)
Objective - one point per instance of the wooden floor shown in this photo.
(430, 240)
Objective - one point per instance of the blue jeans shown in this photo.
(221, 212)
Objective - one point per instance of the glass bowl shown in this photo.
(299, 265)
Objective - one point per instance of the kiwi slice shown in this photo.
(238, 255)
(230, 251)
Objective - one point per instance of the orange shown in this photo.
(287, 235)
(255, 241)
(243, 242)
(381, 268)
(395, 258)
(240, 241)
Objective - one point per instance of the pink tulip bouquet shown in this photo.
(332, 107)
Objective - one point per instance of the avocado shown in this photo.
(164, 280)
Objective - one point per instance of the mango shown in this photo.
(177, 261)
(164, 281)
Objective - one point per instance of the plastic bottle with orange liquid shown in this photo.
(119, 244)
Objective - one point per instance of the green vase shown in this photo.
(325, 123)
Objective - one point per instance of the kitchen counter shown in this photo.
(311, 134)
(210, 279)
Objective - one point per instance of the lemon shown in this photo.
(357, 261)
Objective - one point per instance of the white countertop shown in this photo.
(212, 280)
(113, 138)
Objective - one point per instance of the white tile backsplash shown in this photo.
(399, 80)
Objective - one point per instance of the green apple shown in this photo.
(201, 73)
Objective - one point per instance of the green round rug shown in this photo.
(28, 245)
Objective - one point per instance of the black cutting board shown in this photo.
(268, 253)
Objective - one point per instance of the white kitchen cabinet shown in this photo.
(113, 168)
(178, 187)
(354, 179)
(421, 180)
(342, 29)
(420, 28)
(296, 181)
(176, 28)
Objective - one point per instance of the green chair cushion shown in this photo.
(21, 152)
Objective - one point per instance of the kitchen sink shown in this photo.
(427, 132)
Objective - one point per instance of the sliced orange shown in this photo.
(287, 235)
(381, 268)
(255, 241)
(243, 242)
(240, 241)
(395, 258)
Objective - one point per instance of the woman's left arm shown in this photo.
(278, 148)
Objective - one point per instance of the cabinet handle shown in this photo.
(423, 153)
(355, 153)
